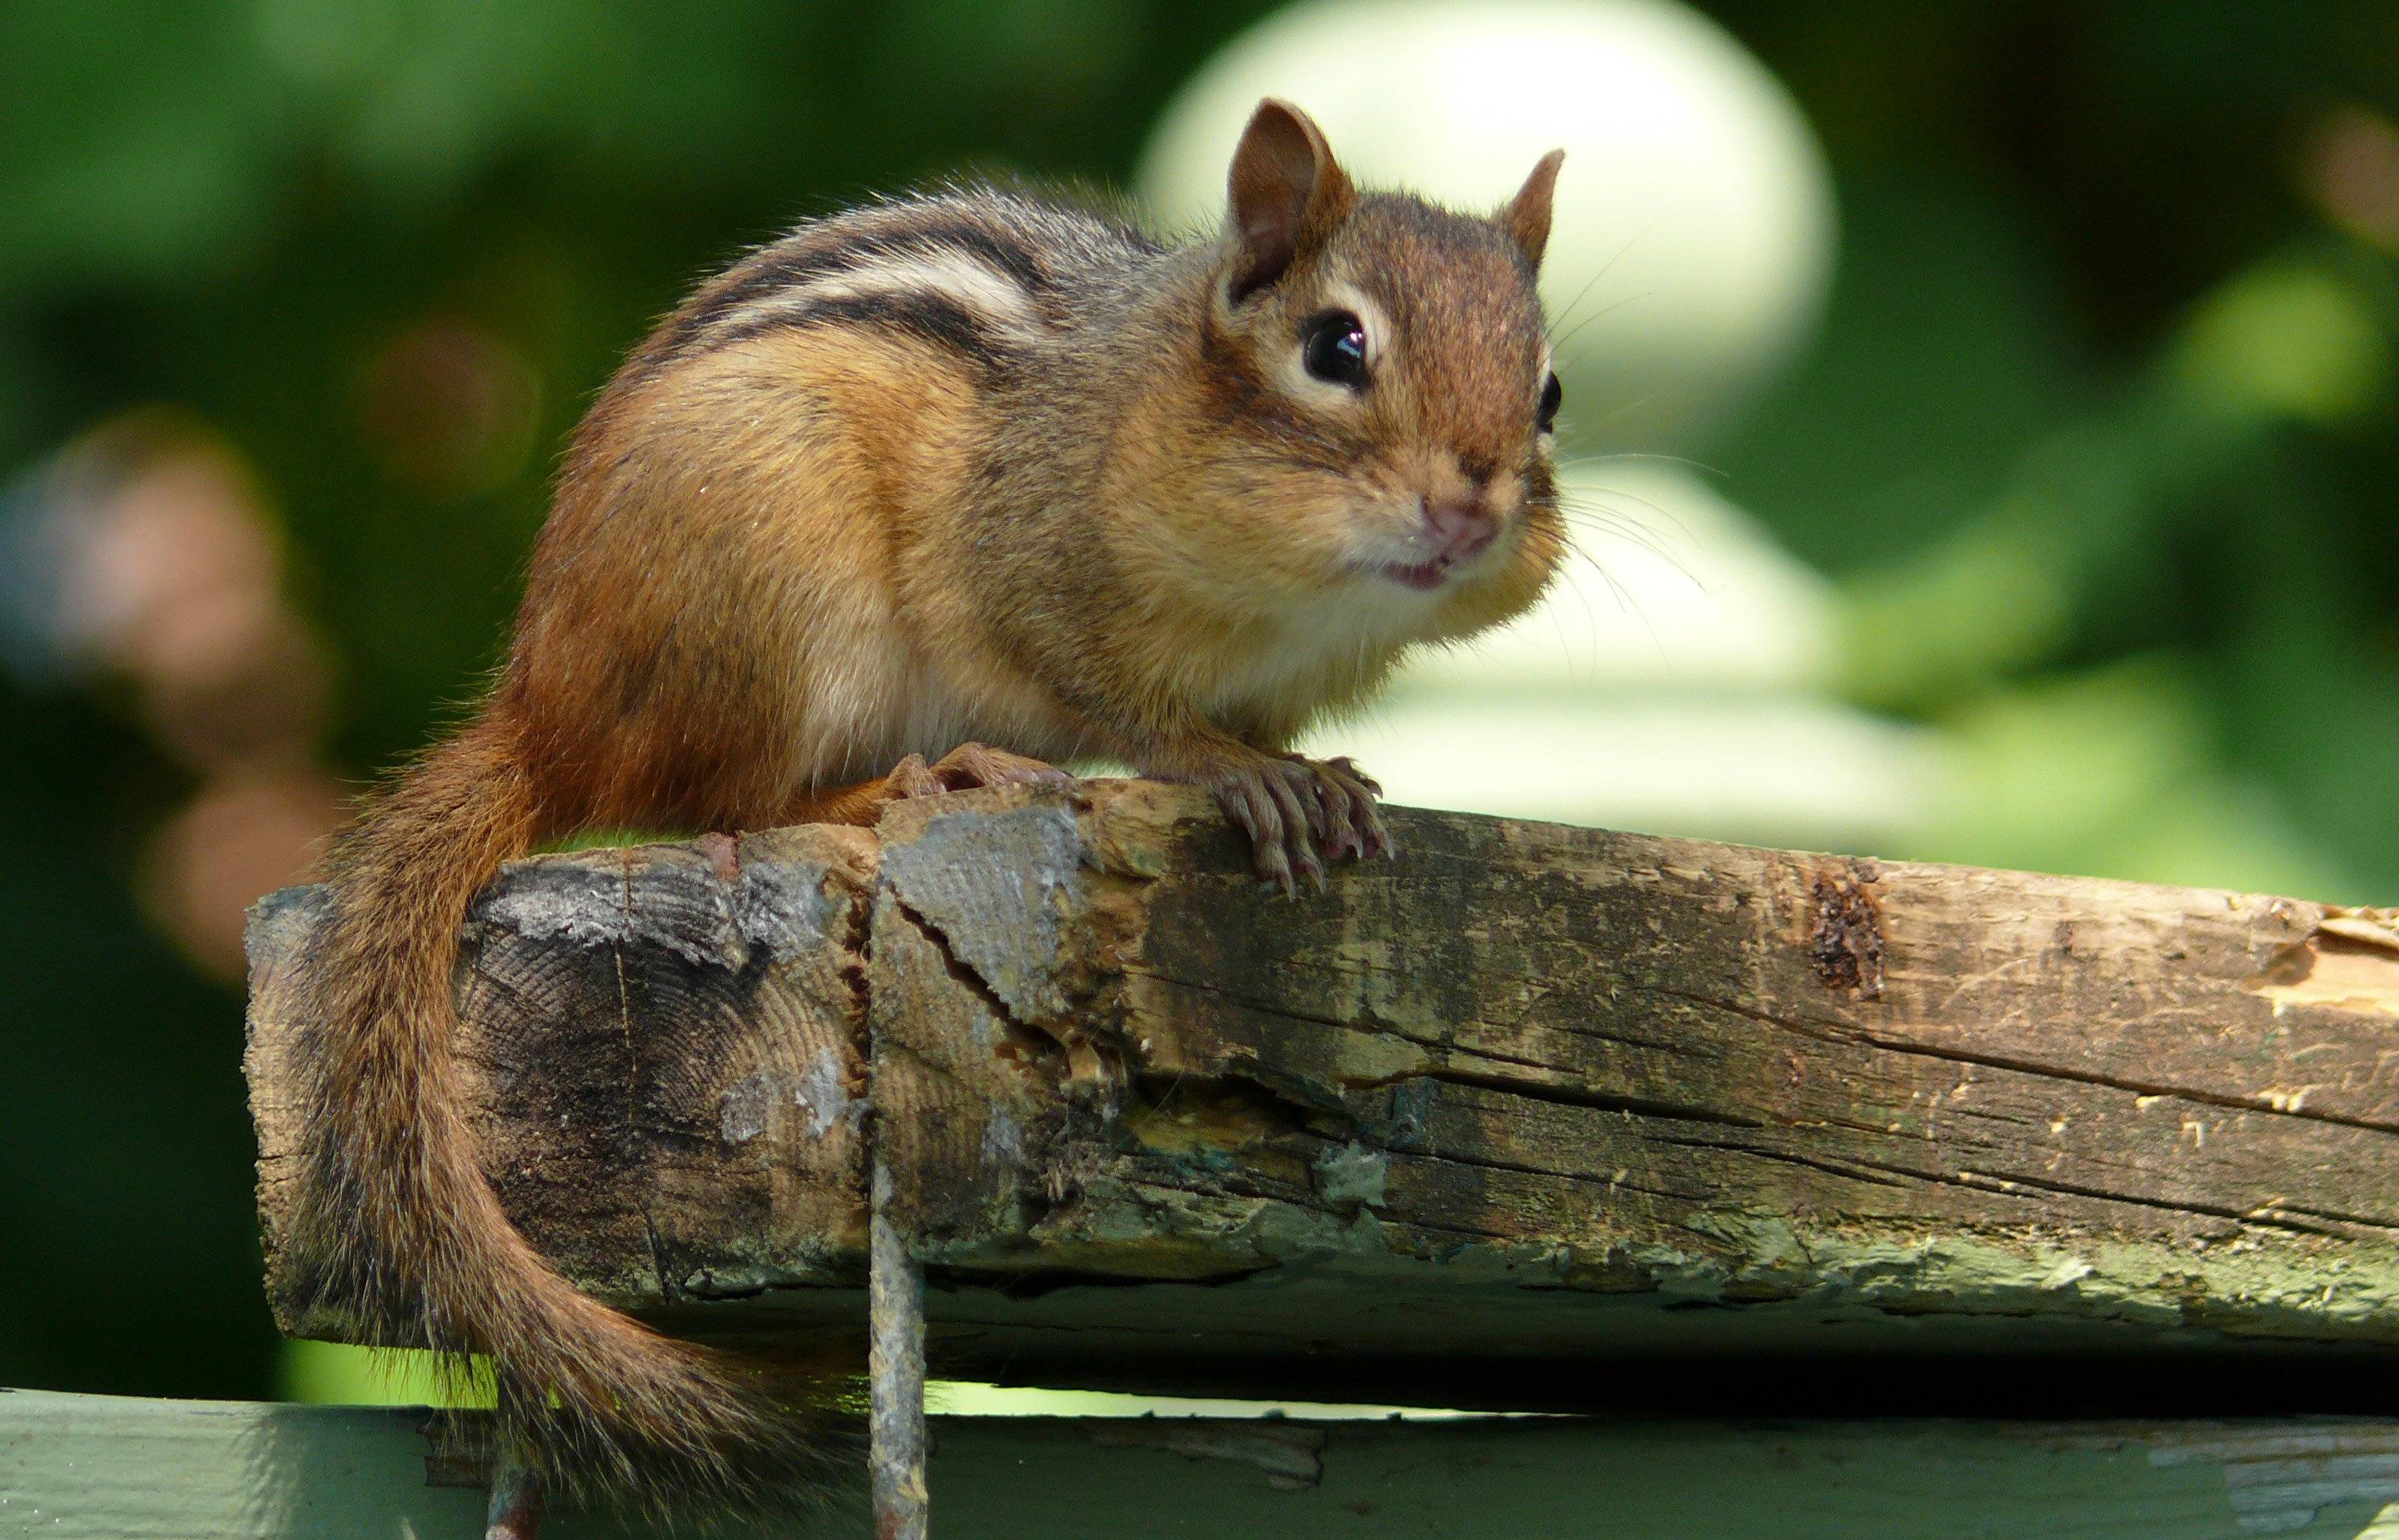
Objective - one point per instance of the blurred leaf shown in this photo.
(2117, 773)
(1944, 352)
(339, 1374)
(2287, 338)
(1989, 598)
(136, 140)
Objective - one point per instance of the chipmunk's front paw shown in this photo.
(1299, 813)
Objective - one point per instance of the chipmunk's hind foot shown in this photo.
(972, 765)
(966, 767)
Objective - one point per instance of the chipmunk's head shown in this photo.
(1383, 369)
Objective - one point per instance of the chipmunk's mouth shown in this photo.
(1423, 578)
(1457, 535)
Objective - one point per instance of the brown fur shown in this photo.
(970, 468)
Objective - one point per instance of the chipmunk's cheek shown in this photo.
(1314, 543)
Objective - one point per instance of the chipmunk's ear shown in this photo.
(1526, 216)
(1287, 195)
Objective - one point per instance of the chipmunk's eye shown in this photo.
(1553, 396)
(1334, 349)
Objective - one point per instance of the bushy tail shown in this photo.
(408, 1237)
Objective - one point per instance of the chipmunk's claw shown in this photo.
(1300, 814)
(1354, 825)
(1270, 852)
(972, 765)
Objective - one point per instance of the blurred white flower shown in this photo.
(1676, 678)
(1693, 245)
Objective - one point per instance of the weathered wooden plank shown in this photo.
(1525, 1098)
(88, 1467)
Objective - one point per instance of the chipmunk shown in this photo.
(955, 488)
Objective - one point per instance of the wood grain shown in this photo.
(1526, 1096)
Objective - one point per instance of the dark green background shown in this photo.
(228, 206)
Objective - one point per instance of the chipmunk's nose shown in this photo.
(1460, 525)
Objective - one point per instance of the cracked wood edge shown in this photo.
(1607, 1063)
(1525, 1072)
(662, 1051)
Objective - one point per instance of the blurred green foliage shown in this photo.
(2099, 438)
